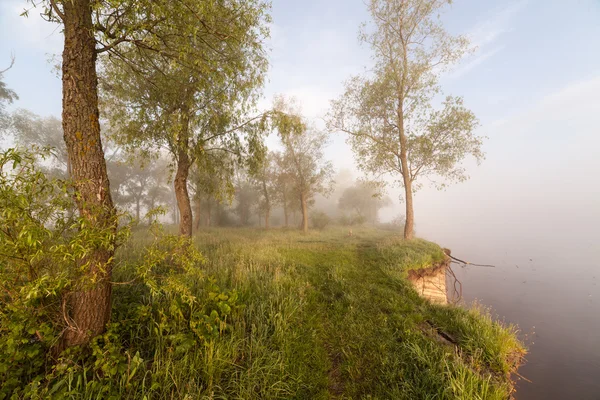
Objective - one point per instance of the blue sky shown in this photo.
(534, 82)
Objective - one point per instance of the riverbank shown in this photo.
(329, 315)
(281, 315)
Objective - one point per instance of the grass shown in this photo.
(317, 316)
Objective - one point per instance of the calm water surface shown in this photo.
(552, 291)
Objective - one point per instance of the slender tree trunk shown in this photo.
(89, 305)
(267, 217)
(304, 205)
(410, 217)
(285, 212)
(409, 222)
(267, 204)
(181, 192)
(137, 210)
(208, 210)
(197, 215)
(181, 177)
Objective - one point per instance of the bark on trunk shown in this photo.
(304, 205)
(89, 305)
(406, 178)
(410, 217)
(181, 192)
(181, 177)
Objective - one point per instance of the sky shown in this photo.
(533, 82)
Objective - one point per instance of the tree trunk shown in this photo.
(181, 192)
(406, 178)
(304, 205)
(208, 210)
(267, 217)
(410, 217)
(197, 215)
(285, 212)
(181, 177)
(137, 210)
(89, 305)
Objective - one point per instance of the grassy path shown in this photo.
(358, 330)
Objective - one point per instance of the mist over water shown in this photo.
(540, 227)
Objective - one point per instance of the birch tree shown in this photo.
(391, 116)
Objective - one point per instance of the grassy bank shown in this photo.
(280, 315)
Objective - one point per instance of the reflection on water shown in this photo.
(553, 294)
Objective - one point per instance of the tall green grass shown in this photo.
(316, 316)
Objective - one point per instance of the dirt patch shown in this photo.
(430, 282)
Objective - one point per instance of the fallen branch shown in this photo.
(469, 263)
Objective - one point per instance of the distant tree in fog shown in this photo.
(306, 164)
(284, 186)
(137, 185)
(30, 129)
(211, 182)
(7, 96)
(389, 115)
(246, 199)
(266, 177)
(364, 201)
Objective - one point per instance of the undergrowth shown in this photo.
(238, 314)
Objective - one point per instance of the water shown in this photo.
(552, 291)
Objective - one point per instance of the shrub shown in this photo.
(319, 219)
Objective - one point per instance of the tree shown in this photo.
(138, 184)
(200, 103)
(309, 171)
(390, 118)
(212, 182)
(266, 177)
(284, 186)
(117, 28)
(32, 130)
(246, 197)
(364, 201)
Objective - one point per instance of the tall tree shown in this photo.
(310, 172)
(390, 117)
(117, 28)
(199, 104)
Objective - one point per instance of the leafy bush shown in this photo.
(319, 219)
(165, 308)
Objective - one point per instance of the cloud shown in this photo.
(489, 30)
(473, 62)
(485, 34)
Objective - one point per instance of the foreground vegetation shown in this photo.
(271, 314)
